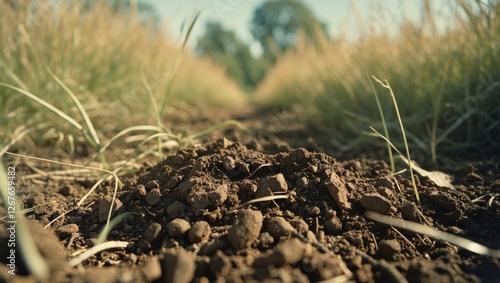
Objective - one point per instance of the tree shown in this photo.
(225, 48)
(276, 22)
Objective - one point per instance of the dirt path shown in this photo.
(261, 211)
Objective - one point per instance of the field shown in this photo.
(127, 158)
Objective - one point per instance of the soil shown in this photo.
(264, 208)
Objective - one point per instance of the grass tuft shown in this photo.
(448, 77)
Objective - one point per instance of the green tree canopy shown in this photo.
(225, 48)
(276, 22)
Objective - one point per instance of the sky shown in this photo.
(339, 15)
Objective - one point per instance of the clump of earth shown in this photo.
(226, 212)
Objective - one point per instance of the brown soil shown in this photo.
(191, 220)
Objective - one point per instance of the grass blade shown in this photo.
(46, 105)
(434, 233)
(80, 107)
(32, 258)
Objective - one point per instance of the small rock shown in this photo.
(375, 202)
(313, 211)
(139, 192)
(144, 245)
(174, 182)
(385, 183)
(386, 193)
(105, 205)
(311, 237)
(272, 184)
(339, 192)
(218, 196)
(220, 265)
(290, 251)
(177, 209)
(186, 186)
(177, 227)
(245, 229)
(153, 184)
(223, 143)
(302, 183)
(443, 199)
(229, 164)
(279, 227)
(388, 248)
(300, 225)
(353, 165)
(333, 226)
(153, 197)
(211, 247)
(179, 266)
(198, 200)
(265, 240)
(67, 191)
(152, 232)
(410, 212)
(199, 232)
(67, 230)
(151, 269)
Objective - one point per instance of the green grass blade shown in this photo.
(103, 235)
(80, 107)
(46, 105)
(384, 124)
(386, 85)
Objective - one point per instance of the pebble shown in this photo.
(179, 266)
(300, 225)
(152, 232)
(229, 164)
(388, 248)
(272, 184)
(313, 211)
(265, 240)
(218, 196)
(302, 183)
(67, 230)
(376, 203)
(105, 205)
(410, 212)
(245, 229)
(151, 269)
(385, 183)
(68, 190)
(339, 192)
(186, 186)
(220, 265)
(198, 200)
(353, 165)
(199, 232)
(333, 226)
(290, 251)
(144, 246)
(139, 192)
(279, 227)
(211, 247)
(177, 209)
(177, 227)
(153, 197)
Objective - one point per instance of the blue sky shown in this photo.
(339, 15)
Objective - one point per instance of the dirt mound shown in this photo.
(224, 213)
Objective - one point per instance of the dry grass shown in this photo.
(447, 83)
(101, 56)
